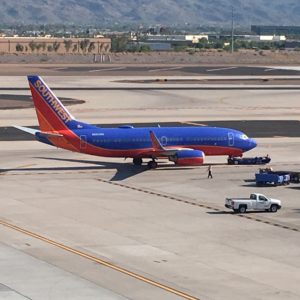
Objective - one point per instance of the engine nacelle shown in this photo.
(188, 158)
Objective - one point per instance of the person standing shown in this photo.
(209, 172)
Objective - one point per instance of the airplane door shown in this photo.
(164, 141)
(261, 203)
(83, 142)
(230, 139)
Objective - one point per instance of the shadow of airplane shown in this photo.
(123, 170)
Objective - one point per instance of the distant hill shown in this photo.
(168, 12)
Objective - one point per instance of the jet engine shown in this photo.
(188, 157)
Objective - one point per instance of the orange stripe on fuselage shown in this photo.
(60, 142)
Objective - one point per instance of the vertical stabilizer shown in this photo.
(51, 113)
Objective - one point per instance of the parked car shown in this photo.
(254, 202)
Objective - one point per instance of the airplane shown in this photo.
(185, 146)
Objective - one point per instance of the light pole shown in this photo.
(232, 31)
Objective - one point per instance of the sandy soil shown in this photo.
(208, 57)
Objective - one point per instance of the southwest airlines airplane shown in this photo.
(185, 146)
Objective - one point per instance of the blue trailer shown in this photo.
(263, 179)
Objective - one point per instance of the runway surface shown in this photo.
(144, 70)
(74, 226)
(168, 225)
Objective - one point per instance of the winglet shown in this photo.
(155, 142)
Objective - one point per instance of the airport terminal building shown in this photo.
(50, 45)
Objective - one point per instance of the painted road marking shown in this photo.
(165, 69)
(106, 69)
(196, 202)
(268, 70)
(25, 166)
(98, 260)
(221, 69)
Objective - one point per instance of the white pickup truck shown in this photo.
(254, 202)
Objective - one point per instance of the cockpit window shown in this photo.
(244, 137)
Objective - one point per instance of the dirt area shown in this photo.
(213, 57)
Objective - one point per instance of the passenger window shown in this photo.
(262, 198)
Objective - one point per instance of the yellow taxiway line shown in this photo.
(99, 261)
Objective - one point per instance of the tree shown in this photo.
(75, 48)
(32, 46)
(68, 44)
(56, 46)
(84, 44)
(19, 48)
(91, 47)
(119, 44)
(144, 48)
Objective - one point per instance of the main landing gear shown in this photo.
(137, 161)
(152, 164)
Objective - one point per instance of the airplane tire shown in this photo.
(137, 161)
(152, 164)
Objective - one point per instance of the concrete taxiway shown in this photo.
(80, 227)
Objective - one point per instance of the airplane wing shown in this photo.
(159, 150)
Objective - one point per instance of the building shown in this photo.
(177, 39)
(50, 45)
(265, 38)
(275, 30)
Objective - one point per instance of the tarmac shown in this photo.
(74, 226)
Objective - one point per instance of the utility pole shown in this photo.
(232, 31)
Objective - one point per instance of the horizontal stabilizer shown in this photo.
(38, 132)
(27, 129)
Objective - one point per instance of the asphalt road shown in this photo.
(189, 70)
(145, 70)
(253, 128)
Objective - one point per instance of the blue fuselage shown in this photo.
(129, 141)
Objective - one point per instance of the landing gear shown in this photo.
(137, 161)
(152, 164)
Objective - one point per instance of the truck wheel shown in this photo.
(273, 208)
(242, 209)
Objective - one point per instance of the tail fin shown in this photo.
(51, 113)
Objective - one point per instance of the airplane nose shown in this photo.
(252, 144)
